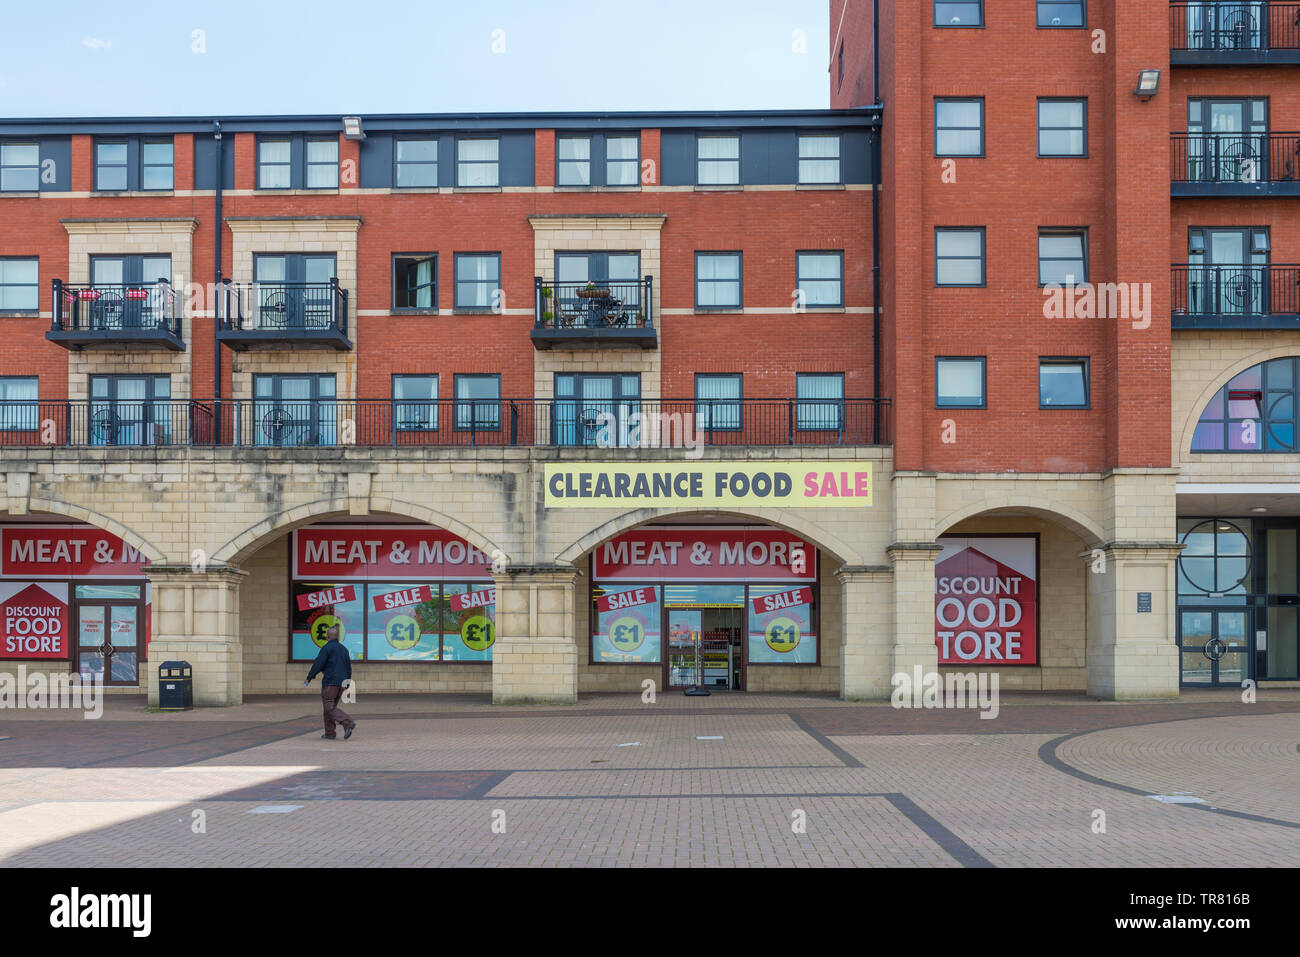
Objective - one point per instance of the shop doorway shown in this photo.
(1214, 644)
(108, 625)
(711, 617)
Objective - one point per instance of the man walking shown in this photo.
(336, 664)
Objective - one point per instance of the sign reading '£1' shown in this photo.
(711, 484)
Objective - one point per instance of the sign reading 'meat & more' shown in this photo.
(710, 484)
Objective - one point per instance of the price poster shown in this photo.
(627, 624)
(403, 622)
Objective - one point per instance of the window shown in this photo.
(717, 281)
(18, 406)
(130, 292)
(718, 160)
(1063, 383)
(819, 159)
(322, 164)
(820, 401)
(574, 161)
(1254, 412)
(415, 403)
(841, 59)
(294, 291)
(819, 277)
(959, 383)
(959, 257)
(959, 127)
(970, 14)
(157, 165)
(595, 410)
(294, 410)
(415, 281)
(20, 167)
(1227, 139)
(622, 160)
(717, 402)
(1061, 13)
(417, 163)
(20, 289)
(110, 166)
(1062, 257)
(478, 276)
(130, 410)
(273, 164)
(1062, 128)
(477, 163)
(478, 402)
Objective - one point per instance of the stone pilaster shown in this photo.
(867, 647)
(913, 607)
(535, 658)
(196, 619)
(1132, 654)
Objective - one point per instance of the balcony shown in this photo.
(1236, 297)
(1241, 32)
(283, 314)
(446, 423)
(594, 315)
(107, 317)
(1235, 164)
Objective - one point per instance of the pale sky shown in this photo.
(75, 58)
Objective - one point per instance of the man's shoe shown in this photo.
(328, 737)
(347, 732)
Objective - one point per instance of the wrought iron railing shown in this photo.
(1234, 25)
(116, 308)
(283, 307)
(1235, 157)
(1272, 290)
(616, 304)
(666, 424)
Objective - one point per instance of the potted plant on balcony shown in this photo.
(640, 319)
(548, 319)
(590, 291)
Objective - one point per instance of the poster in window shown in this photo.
(316, 607)
(403, 622)
(627, 625)
(781, 626)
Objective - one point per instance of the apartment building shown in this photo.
(1056, 370)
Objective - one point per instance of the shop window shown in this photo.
(1254, 412)
(627, 626)
(782, 629)
(959, 127)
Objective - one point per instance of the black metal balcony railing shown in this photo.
(1242, 159)
(283, 307)
(147, 307)
(265, 423)
(594, 305)
(1233, 27)
(1235, 293)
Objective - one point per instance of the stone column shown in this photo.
(867, 639)
(1132, 654)
(535, 658)
(196, 619)
(914, 607)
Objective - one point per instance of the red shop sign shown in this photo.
(35, 622)
(786, 599)
(331, 596)
(986, 601)
(402, 599)
(67, 551)
(706, 554)
(385, 553)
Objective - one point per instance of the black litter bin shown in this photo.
(175, 686)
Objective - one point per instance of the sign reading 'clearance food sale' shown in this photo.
(709, 484)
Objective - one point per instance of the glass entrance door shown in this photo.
(1227, 141)
(109, 641)
(1214, 645)
(596, 410)
(709, 618)
(1277, 635)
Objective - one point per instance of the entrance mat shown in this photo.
(372, 786)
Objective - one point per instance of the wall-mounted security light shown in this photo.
(216, 129)
(1148, 84)
(352, 128)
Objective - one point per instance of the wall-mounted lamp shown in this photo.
(1148, 84)
(216, 129)
(352, 128)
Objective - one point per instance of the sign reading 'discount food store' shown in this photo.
(986, 600)
(711, 484)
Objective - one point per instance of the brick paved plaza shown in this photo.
(683, 781)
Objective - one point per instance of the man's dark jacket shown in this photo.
(335, 661)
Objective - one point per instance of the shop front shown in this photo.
(707, 604)
(397, 594)
(1238, 601)
(74, 598)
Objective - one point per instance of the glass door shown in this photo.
(293, 291)
(1214, 646)
(1228, 140)
(133, 291)
(130, 410)
(109, 641)
(598, 290)
(1229, 274)
(596, 411)
(1277, 635)
(294, 410)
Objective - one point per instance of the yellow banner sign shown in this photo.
(709, 485)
